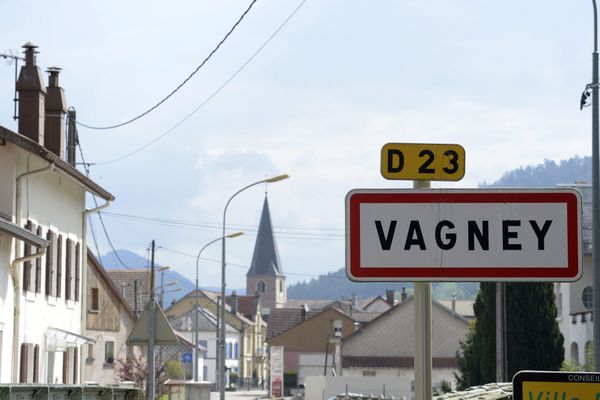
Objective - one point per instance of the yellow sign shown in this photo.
(426, 162)
(547, 385)
(560, 391)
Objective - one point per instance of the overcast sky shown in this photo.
(336, 83)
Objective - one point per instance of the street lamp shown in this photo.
(195, 332)
(222, 318)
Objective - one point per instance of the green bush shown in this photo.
(174, 369)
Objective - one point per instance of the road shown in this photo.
(241, 395)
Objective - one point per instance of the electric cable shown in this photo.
(87, 173)
(209, 98)
(181, 84)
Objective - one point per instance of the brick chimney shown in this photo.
(390, 297)
(56, 108)
(32, 97)
(403, 295)
(234, 302)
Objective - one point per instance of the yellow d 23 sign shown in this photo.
(425, 162)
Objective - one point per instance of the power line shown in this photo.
(210, 97)
(87, 173)
(285, 233)
(181, 84)
(246, 267)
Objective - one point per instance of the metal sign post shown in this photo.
(422, 307)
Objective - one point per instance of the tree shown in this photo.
(533, 339)
(174, 369)
(135, 369)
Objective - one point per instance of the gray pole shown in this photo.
(500, 332)
(152, 329)
(221, 341)
(422, 329)
(596, 194)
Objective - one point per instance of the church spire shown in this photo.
(265, 260)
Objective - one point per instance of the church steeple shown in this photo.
(265, 275)
(265, 260)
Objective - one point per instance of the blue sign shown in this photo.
(186, 358)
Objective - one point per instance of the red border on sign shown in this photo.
(516, 273)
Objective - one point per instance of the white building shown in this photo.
(574, 301)
(207, 331)
(41, 301)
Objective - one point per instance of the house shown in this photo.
(574, 300)
(183, 352)
(247, 367)
(109, 321)
(385, 346)
(42, 299)
(134, 285)
(308, 339)
(206, 327)
(253, 355)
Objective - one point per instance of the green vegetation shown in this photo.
(533, 339)
(174, 369)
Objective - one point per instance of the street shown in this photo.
(241, 395)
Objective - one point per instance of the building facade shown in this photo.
(41, 300)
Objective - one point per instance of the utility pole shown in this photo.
(152, 329)
(71, 136)
(500, 332)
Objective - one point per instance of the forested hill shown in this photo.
(335, 285)
(547, 174)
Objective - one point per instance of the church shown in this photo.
(265, 276)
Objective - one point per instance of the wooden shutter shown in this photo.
(38, 267)
(75, 364)
(77, 269)
(23, 369)
(69, 259)
(36, 363)
(59, 266)
(27, 264)
(65, 371)
(49, 262)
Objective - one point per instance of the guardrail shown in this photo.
(68, 392)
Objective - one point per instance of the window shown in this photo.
(229, 351)
(109, 352)
(280, 286)
(587, 297)
(29, 363)
(203, 343)
(235, 350)
(38, 267)
(50, 264)
(368, 373)
(94, 304)
(261, 287)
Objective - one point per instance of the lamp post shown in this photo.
(195, 332)
(222, 309)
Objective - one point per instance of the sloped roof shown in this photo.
(125, 281)
(102, 274)
(265, 260)
(207, 322)
(289, 318)
(35, 148)
(246, 305)
(283, 319)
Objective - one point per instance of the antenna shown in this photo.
(10, 56)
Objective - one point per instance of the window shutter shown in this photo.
(36, 362)
(59, 266)
(77, 269)
(27, 264)
(23, 370)
(75, 364)
(68, 260)
(65, 371)
(49, 262)
(38, 267)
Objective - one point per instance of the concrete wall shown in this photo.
(322, 388)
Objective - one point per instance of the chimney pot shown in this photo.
(453, 304)
(403, 295)
(390, 297)
(32, 97)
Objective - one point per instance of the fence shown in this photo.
(68, 392)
